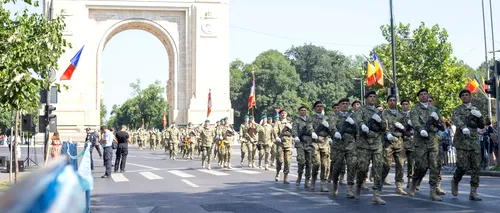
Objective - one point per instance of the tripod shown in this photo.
(28, 159)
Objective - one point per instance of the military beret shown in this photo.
(207, 121)
(462, 92)
(421, 91)
(343, 100)
(335, 104)
(225, 119)
(217, 121)
(316, 103)
(302, 107)
(269, 118)
(250, 116)
(247, 116)
(276, 116)
(356, 101)
(263, 116)
(404, 100)
(173, 122)
(371, 92)
(282, 111)
(391, 96)
(189, 123)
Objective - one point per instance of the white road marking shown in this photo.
(189, 183)
(150, 176)
(181, 174)
(212, 172)
(480, 194)
(119, 178)
(309, 196)
(293, 175)
(139, 165)
(247, 171)
(426, 200)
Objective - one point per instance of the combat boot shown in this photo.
(241, 163)
(399, 189)
(260, 164)
(267, 166)
(473, 194)
(324, 187)
(433, 195)
(253, 164)
(229, 166)
(313, 184)
(209, 168)
(364, 188)
(277, 178)
(335, 189)
(417, 185)
(306, 183)
(439, 191)
(285, 179)
(411, 190)
(454, 187)
(357, 193)
(342, 182)
(299, 179)
(349, 193)
(203, 164)
(376, 198)
(387, 183)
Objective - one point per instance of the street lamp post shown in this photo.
(361, 90)
(393, 47)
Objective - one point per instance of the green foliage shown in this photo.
(5, 121)
(147, 104)
(30, 47)
(104, 111)
(426, 62)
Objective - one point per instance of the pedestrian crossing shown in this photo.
(187, 173)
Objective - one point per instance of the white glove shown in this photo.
(424, 134)
(278, 140)
(325, 123)
(337, 135)
(296, 139)
(365, 128)
(217, 137)
(288, 125)
(466, 131)
(377, 118)
(399, 125)
(349, 120)
(390, 137)
(475, 113)
(435, 116)
(314, 136)
(409, 123)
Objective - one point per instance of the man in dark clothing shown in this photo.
(92, 138)
(122, 151)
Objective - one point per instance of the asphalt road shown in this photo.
(153, 183)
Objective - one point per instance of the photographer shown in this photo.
(92, 138)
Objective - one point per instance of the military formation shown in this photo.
(357, 140)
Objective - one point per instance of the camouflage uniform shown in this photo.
(244, 140)
(321, 153)
(394, 149)
(409, 146)
(228, 135)
(166, 140)
(159, 139)
(141, 139)
(426, 148)
(265, 132)
(152, 140)
(252, 144)
(174, 135)
(304, 149)
(191, 134)
(468, 147)
(283, 148)
(369, 148)
(207, 135)
(343, 150)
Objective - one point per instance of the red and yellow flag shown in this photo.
(472, 85)
(251, 100)
(370, 75)
(379, 73)
(209, 105)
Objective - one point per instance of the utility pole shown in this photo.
(490, 116)
(393, 47)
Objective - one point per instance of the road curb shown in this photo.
(490, 173)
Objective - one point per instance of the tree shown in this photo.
(30, 47)
(104, 111)
(424, 63)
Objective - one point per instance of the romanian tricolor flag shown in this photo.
(209, 105)
(485, 86)
(251, 100)
(72, 67)
(472, 85)
(379, 73)
(370, 75)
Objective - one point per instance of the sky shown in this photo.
(351, 27)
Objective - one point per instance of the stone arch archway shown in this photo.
(195, 35)
(170, 46)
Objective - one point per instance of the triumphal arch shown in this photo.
(195, 34)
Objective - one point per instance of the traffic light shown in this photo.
(48, 111)
(497, 64)
(492, 87)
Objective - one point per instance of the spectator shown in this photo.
(56, 145)
(106, 143)
(123, 139)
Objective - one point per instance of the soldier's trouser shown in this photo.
(139, 143)
(364, 156)
(343, 168)
(228, 153)
(206, 154)
(350, 158)
(304, 161)
(173, 149)
(157, 144)
(321, 158)
(391, 153)
(265, 153)
(440, 164)
(468, 160)
(260, 153)
(283, 156)
(152, 144)
(410, 164)
(221, 153)
(191, 147)
(425, 159)
(273, 152)
(243, 148)
(252, 150)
